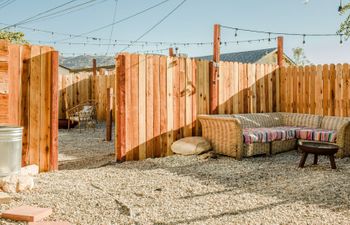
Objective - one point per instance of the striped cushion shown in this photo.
(317, 134)
(269, 134)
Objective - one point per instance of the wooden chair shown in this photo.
(83, 113)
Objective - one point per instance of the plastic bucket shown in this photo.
(10, 150)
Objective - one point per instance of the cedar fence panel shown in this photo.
(28, 87)
(77, 88)
(159, 98)
(320, 90)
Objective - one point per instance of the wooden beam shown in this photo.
(54, 112)
(280, 51)
(171, 52)
(109, 109)
(214, 72)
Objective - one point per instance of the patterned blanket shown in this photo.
(269, 134)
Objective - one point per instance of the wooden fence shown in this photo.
(28, 98)
(159, 98)
(248, 88)
(157, 102)
(322, 89)
(77, 88)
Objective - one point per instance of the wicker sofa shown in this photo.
(244, 135)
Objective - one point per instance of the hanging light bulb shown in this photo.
(269, 37)
(304, 39)
(341, 39)
(340, 8)
(236, 32)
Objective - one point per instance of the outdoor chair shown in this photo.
(84, 113)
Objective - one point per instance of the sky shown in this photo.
(192, 22)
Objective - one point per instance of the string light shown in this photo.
(341, 39)
(304, 39)
(340, 9)
(279, 33)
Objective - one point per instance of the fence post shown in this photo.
(171, 52)
(120, 147)
(54, 112)
(280, 51)
(109, 108)
(214, 72)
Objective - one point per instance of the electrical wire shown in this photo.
(6, 3)
(72, 11)
(155, 25)
(112, 29)
(38, 14)
(116, 22)
(64, 11)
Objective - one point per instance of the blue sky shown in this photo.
(193, 22)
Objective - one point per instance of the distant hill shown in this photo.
(85, 61)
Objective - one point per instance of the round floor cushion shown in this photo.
(190, 146)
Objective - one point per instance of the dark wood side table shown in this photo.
(317, 149)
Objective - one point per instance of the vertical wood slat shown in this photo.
(149, 107)
(54, 112)
(120, 108)
(156, 106)
(163, 105)
(25, 120)
(170, 103)
(142, 107)
(45, 108)
(134, 112)
(34, 105)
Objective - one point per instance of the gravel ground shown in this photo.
(191, 190)
(85, 148)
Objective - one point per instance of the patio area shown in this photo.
(84, 149)
(193, 190)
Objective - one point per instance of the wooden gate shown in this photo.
(29, 98)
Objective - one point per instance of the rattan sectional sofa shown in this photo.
(244, 135)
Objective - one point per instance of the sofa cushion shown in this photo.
(268, 134)
(316, 134)
(191, 146)
(301, 120)
(252, 120)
